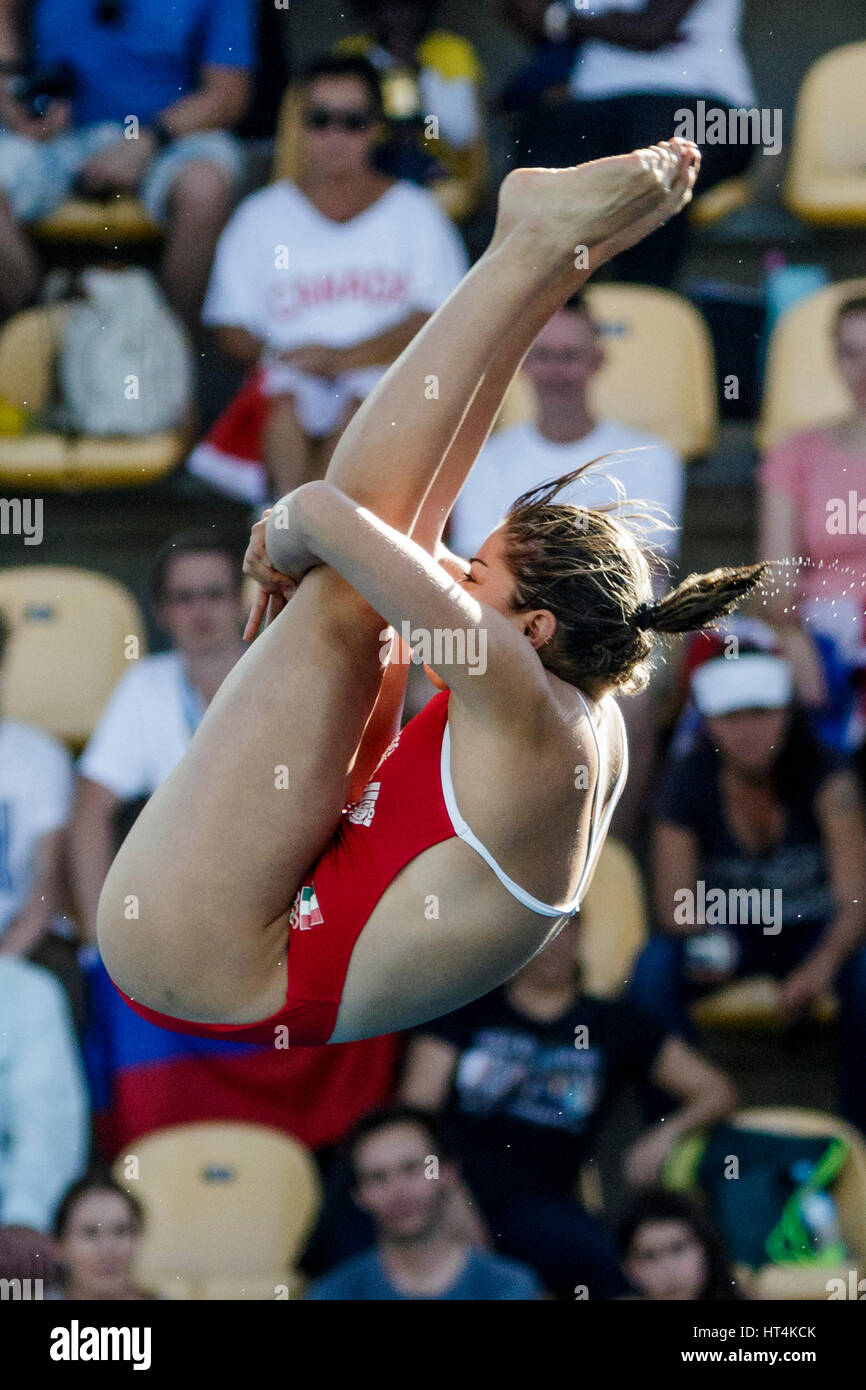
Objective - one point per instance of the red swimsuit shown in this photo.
(408, 807)
(401, 813)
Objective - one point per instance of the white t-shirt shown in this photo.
(145, 728)
(707, 61)
(342, 282)
(35, 798)
(519, 458)
(44, 1112)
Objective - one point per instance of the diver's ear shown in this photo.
(539, 627)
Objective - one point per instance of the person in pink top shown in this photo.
(813, 515)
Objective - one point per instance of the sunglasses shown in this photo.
(324, 117)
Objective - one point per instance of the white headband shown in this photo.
(755, 680)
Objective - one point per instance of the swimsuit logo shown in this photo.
(390, 749)
(306, 912)
(363, 810)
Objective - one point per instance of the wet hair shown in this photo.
(96, 1180)
(385, 1118)
(855, 305)
(589, 567)
(203, 542)
(358, 68)
(662, 1204)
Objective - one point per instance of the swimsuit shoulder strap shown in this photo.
(598, 826)
(599, 823)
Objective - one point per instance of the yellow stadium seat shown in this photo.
(35, 459)
(826, 180)
(803, 388)
(613, 922)
(777, 1281)
(752, 1005)
(660, 369)
(98, 222)
(69, 647)
(720, 201)
(287, 143)
(228, 1208)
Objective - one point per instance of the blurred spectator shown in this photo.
(324, 282)
(561, 365)
(805, 527)
(758, 854)
(406, 1180)
(156, 706)
(35, 802)
(671, 1250)
(822, 687)
(131, 95)
(428, 75)
(639, 65)
(96, 1230)
(44, 1131)
(525, 1077)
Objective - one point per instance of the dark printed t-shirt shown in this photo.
(691, 797)
(528, 1097)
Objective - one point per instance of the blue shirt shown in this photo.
(149, 59)
(484, 1278)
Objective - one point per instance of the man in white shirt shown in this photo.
(157, 704)
(324, 281)
(560, 365)
(35, 802)
(44, 1122)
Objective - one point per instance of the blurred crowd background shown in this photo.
(220, 220)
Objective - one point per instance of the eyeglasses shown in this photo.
(324, 117)
(211, 593)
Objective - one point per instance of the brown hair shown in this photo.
(589, 567)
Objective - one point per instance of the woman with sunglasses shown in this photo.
(322, 278)
(244, 904)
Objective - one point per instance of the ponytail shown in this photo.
(700, 600)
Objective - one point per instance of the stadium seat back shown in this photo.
(613, 922)
(226, 1204)
(70, 632)
(659, 372)
(29, 343)
(98, 222)
(826, 180)
(803, 387)
(753, 1006)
